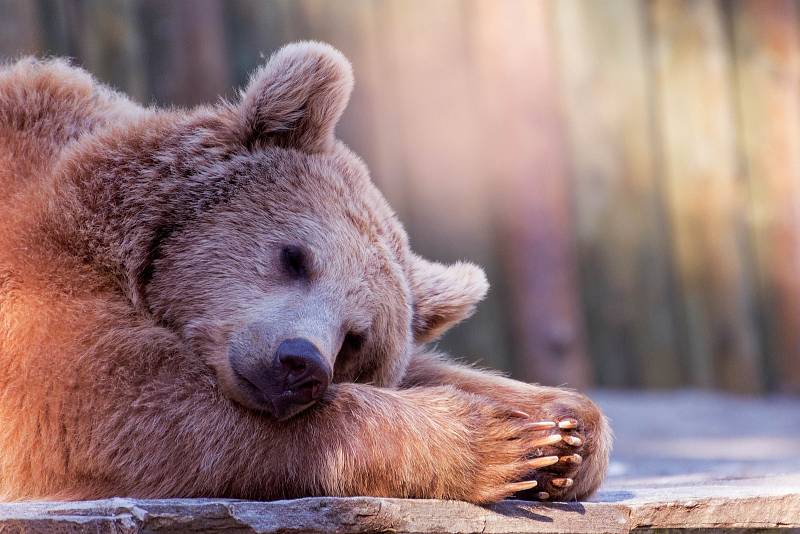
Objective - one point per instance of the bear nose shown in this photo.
(306, 375)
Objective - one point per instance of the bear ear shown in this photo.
(296, 99)
(444, 295)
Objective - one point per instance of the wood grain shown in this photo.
(626, 171)
(620, 221)
(20, 31)
(768, 80)
(697, 135)
(527, 154)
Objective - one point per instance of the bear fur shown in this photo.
(139, 247)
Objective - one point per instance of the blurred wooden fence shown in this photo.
(628, 172)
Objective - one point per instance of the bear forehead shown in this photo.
(324, 191)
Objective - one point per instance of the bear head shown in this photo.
(294, 273)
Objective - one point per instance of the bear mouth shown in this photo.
(253, 393)
(282, 407)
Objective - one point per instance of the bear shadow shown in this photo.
(528, 509)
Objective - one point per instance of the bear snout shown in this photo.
(292, 380)
(306, 373)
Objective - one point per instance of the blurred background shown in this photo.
(627, 171)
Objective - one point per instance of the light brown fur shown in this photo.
(138, 245)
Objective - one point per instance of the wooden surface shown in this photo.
(705, 194)
(766, 37)
(516, 50)
(621, 235)
(683, 461)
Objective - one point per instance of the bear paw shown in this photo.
(557, 460)
(517, 456)
(574, 464)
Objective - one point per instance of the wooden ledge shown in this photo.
(683, 461)
(746, 503)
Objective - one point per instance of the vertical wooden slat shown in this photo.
(158, 22)
(440, 155)
(254, 30)
(185, 51)
(20, 32)
(202, 47)
(378, 82)
(623, 249)
(371, 125)
(768, 75)
(524, 142)
(350, 27)
(111, 48)
(60, 22)
(696, 115)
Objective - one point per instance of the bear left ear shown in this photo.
(296, 99)
(444, 295)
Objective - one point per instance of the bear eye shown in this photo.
(353, 341)
(294, 261)
(346, 359)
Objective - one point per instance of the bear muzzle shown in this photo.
(291, 381)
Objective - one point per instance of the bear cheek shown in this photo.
(210, 342)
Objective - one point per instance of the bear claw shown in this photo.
(545, 461)
(568, 424)
(540, 425)
(514, 487)
(549, 440)
(562, 482)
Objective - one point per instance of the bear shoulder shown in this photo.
(53, 102)
(45, 104)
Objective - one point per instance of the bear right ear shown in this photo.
(296, 99)
(443, 295)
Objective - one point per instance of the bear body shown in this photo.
(218, 302)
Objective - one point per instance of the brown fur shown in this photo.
(138, 245)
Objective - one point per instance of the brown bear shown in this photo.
(218, 302)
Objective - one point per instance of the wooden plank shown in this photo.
(185, 51)
(738, 470)
(438, 153)
(698, 155)
(254, 30)
(524, 143)
(724, 506)
(620, 220)
(352, 29)
(158, 27)
(768, 76)
(60, 21)
(201, 45)
(109, 44)
(20, 31)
